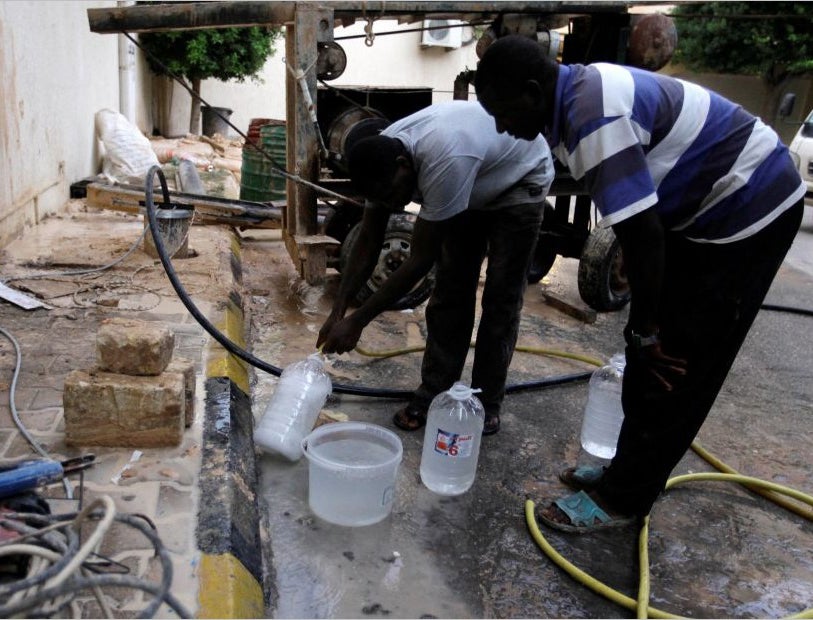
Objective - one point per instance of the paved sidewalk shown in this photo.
(176, 488)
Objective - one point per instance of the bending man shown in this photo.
(705, 202)
(480, 194)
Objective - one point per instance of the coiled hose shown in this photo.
(641, 605)
(775, 493)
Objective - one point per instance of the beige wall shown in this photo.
(393, 60)
(54, 75)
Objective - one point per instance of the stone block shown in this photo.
(115, 410)
(187, 369)
(134, 347)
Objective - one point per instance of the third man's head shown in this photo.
(514, 82)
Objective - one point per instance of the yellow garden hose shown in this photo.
(641, 605)
(388, 353)
(776, 493)
(579, 575)
(776, 498)
(525, 349)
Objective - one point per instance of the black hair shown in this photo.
(372, 161)
(509, 63)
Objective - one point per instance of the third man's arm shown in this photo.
(642, 245)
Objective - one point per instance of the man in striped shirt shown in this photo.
(705, 202)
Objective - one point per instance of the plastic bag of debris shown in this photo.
(127, 153)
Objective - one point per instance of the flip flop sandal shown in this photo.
(584, 478)
(584, 514)
(409, 418)
(491, 424)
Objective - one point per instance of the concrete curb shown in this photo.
(228, 529)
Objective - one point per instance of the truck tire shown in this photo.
(602, 279)
(394, 251)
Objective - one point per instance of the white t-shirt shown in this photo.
(462, 162)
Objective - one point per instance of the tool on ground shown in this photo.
(30, 474)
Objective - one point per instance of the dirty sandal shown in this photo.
(409, 418)
(582, 478)
(583, 514)
(491, 424)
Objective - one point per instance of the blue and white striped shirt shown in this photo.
(715, 172)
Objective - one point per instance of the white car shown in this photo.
(801, 150)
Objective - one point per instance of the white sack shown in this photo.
(128, 154)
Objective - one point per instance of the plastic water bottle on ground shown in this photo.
(603, 414)
(451, 443)
(301, 393)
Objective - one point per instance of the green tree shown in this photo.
(222, 53)
(771, 39)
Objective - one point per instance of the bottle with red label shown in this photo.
(451, 443)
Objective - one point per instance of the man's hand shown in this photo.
(339, 336)
(664, 369)
(327, 326)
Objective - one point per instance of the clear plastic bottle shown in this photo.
(603, 414)
(451, 442)
(301, 393)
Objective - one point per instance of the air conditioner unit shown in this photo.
(442, 33)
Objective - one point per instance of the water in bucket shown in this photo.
(352, 473)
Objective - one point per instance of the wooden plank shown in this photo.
(572, 307)
(197, 15)
(316, 241)
(189, 16)
(116, 198)
(312, 251)
(302, 142)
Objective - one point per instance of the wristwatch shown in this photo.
(638, 341)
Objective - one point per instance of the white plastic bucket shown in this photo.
(352, 472)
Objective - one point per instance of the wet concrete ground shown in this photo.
(716, 550)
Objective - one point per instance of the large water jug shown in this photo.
(603, 414)
(301, 393)
(451, 442)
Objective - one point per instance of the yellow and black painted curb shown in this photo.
(230, 575)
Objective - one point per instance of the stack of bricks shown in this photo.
(137, 396)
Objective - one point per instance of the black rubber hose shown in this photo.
(792, 310)
(247, 357)
(337, 387)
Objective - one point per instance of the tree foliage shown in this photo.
(771, 39)
(223, 53)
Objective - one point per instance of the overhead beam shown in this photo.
(199, 15)
(189, 16)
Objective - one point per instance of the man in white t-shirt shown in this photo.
(480, 194)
